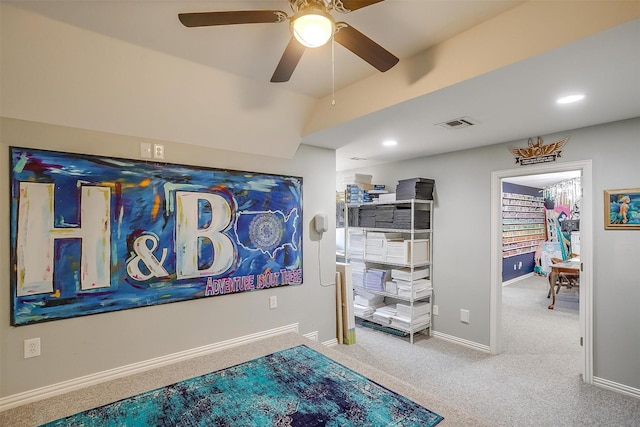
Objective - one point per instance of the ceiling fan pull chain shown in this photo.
(333, 65)
(333, 72)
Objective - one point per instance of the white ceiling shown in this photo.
(543, 180)
(404, 27)
(516, 102)
(513, 103)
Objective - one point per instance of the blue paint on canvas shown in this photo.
(93, 234)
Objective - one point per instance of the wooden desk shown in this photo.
(567, 267)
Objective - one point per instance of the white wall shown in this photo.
(82, 346)
(54, 72)
(462, 227)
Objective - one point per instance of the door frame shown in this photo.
(586, 256)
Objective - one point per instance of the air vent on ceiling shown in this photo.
(459, 123)
(357, 158)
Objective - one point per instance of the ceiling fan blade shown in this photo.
(364, 47)
(351, 5)
(205, 19)
(288, 62)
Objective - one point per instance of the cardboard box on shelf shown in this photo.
(357, 178)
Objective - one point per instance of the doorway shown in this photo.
(585, 288)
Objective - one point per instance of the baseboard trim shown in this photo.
(460, 341)
(620, 388)
(134, 368)
(330, 343)
(517, 279)
(313, 336)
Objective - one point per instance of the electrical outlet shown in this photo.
(273, 302)
(158, 151)
(435, 310)
(31, 348)
(464, 315)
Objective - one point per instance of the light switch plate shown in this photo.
(145, 150)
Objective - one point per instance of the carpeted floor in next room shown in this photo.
(536, 380)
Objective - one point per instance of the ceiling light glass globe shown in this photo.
(313, 29)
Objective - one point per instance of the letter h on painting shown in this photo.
(37, 235)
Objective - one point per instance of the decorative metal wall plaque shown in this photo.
(538, 152)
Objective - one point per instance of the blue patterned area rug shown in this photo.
(293, 387)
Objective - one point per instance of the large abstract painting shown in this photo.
(96, 234)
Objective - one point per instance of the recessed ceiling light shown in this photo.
(571, 98)
(390, 143)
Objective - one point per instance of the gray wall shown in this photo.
(76, 347)
(462, 228)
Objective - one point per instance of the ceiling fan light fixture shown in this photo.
(312, 27)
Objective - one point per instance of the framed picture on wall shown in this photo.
(622, 209)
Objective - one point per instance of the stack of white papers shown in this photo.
(376, 245)
(365, 303)
(374, 249)
(363, 310)
(391, 287)
(416, 289)
(418, 284)
(368, 300)
(357, 273)
(384, 314)
(406, 323)
(404, 319)
(419, 310)
(406, 274)
(413, 293)
(406, 251)
(356, 243)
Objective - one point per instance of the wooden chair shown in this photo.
(566, 277)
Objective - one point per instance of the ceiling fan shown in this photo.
(311, 26)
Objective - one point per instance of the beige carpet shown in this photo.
(536, 380)
(64, 405)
